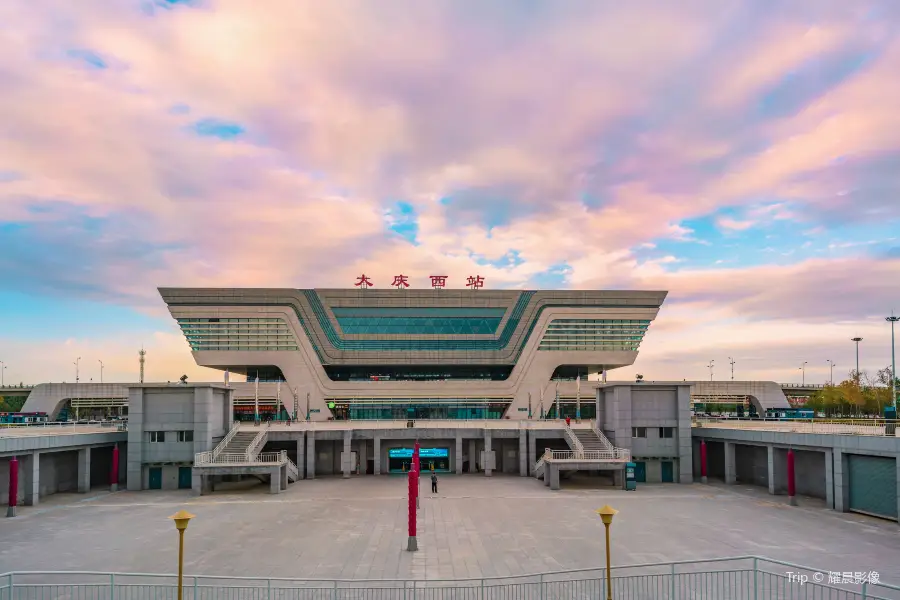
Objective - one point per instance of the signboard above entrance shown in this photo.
(423, 453)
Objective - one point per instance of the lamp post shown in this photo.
(831, 377)
(606, 514)
(76, 363)
(892, 319)
(710, 367)
(857, 340)
(731, 360)
(2, 368)
(181, 519)
(803, 368)
(101, 370)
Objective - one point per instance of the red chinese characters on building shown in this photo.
(438, 282)
(363, 282)
(400, 281)
(475, 282)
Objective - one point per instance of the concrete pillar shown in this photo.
(523, 452)
(376, 453)
(275, 480)
(897, 463)
(532, 452)
(301, 456)
(554, 477)
(488, 463)
(31, 476)
(207, 483)
(771, 468)
(730, 471)
(283, 476)
(346, 463)
(84, 470)
(310, 455)
(134, 459)
(473, 456)
(841, 482)
(196, 483)
(829, 480)
(459, 454)
(363, 456)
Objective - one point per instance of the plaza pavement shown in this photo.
(476, 526)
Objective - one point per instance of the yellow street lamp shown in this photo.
(606, 513)
(181, 519)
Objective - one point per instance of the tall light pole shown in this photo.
(101, 370)
(181, 519)
(803, 368)
(731, 360)
(76, 363)
(857, 340)
(2, 368)
(710, 367)
(606, 514)
(831, 377)
(892, 319)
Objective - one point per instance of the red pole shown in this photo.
(13, 487)
(416, 458)
(114, 473)
(703, 461)
(411, 543)
(791, 484)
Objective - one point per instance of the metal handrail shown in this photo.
(743, 564)
(239, 458)
(865, 427)
(572, 438)
(618, 454)
(595, 427)
(235, 427)
(293, 469)
(257, 443)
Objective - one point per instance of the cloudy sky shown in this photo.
(742, 154)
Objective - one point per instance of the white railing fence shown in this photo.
(235, 458)
(869, 427)
(741, 578)
(258, 442)
(293, 470)
(572, 439)
(220, 447)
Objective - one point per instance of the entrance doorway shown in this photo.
(400, 459)
(155, 478)
(668, 472)
(184, 478)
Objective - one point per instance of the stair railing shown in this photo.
(257, 443)
(603, 439)
(292, 469)
(235, 427)
(573, 440)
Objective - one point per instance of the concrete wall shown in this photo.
(203, 409)
(752, 465)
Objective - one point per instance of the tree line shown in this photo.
(861, 394)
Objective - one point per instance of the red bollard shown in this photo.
(791, 484)
(703, 461)
(416, 458)
(411, 543)
(13, 487)
(114, 473)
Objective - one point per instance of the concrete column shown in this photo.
(363, 456)
(841, 482)
(554, 477)
(196, 483)
(301, 456)
(275, 480)
(84, 470)
(488, 466)
(771, 468)
(532, 452)
(283, 476)
(730, 471)
(829, 480)
(459, 454)
(310, 455)
(376, 454)
(523, 452)
(897, 462)
(473, 456)
(30, 475)
(134, 458)
(207, 484)
(685, 463)
(619, 478)
(346, 462)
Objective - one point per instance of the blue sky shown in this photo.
(742, 156)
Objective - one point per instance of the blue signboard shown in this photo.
(423, 453)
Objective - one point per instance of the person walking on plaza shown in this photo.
(433, 483)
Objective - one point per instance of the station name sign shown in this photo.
(474, 282)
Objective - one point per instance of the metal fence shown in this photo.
(873, 427)
(742, 578)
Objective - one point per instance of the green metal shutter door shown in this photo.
(873, 485)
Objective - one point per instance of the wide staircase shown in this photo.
(586, 446)
(242, 447)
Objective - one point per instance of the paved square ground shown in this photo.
(476, 526)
